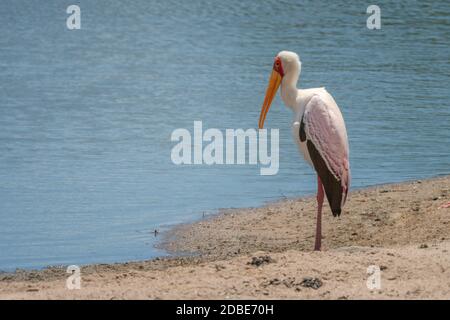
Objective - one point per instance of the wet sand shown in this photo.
(266, 253)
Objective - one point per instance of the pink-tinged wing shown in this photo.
(325, 129)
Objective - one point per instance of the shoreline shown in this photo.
(174, 241)
(266, 252)
(169, 234)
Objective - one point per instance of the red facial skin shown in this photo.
(278, 66)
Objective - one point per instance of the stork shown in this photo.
(319, 131)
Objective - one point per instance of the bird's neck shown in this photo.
(289, 89)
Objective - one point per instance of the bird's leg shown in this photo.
(320, 195)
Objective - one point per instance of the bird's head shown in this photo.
(285, 63)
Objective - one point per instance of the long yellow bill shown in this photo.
(274, 83)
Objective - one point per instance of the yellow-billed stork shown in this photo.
(319, 131)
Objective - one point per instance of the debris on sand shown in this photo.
(261, 260)
(309, 282)
(292, 283)
(219, 267)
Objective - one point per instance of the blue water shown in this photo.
(86, 115)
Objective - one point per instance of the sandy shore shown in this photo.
(265, 253)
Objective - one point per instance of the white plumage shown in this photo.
(318, 129)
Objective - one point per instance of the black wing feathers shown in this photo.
(332, 186)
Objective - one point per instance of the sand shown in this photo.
(266, 253)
